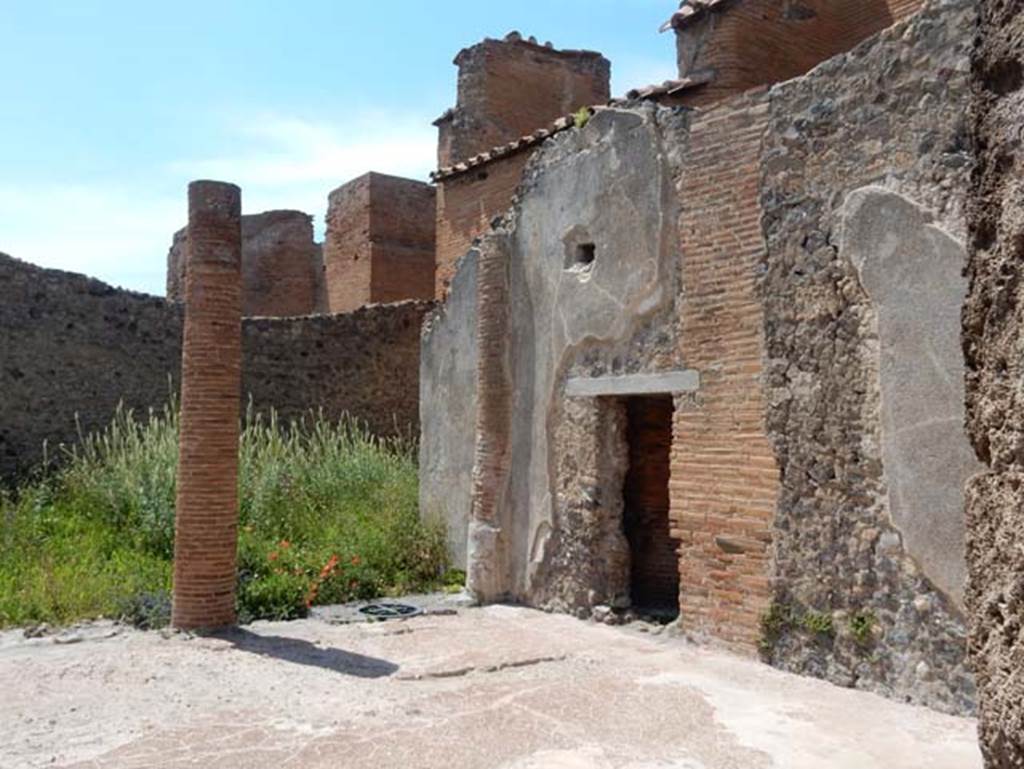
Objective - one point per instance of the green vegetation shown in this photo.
(781, 619)
(581, 117)
(328, 514)
(819, 623)
(862, 625)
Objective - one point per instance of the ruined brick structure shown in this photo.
(206, 505)
(379, 245)
(281, 265)
(782, 263)
(993, 337)
(507, 90)
(733, 45)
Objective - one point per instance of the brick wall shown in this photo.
(759, 42)
(347, 246)
(509, 88)
(379, 245)
(724, 475)
(281, 265)
(70, 345)
(466, 204)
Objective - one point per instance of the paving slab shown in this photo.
(482, 687)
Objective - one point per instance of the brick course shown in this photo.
(281, 265)
(206, 509)
(507, 89)
(724, 475)
(379, 245)
(759, 42)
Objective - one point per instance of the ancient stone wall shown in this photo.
(281, 265)
(581, 281)
(864, 174)
(365, 363)
(72, 345)
(993, 339)
(379, 245)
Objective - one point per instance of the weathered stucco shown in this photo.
(448, 362)
(912, 271)
(589, 256)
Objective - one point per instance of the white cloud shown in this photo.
(119, 231)
(287, 162)
(111, 232)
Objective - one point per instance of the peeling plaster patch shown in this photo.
(912, 272)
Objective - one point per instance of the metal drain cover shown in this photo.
(387, 610)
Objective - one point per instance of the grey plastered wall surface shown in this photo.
(605, 192)
(72, 348)
(879, 115)
(912, 271)
(448, 360)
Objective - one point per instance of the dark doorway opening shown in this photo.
(654, 569)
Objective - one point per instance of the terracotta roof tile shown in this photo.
(504, 150)
(670, 87)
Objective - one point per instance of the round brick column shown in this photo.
(206, 521)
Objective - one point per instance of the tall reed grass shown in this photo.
(328, 513)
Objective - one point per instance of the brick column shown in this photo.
(206, 521)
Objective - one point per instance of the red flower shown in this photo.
(356, 560)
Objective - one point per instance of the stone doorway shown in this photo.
(654, 562)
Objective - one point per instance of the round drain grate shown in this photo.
(382, 611)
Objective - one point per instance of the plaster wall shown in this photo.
(608, 185)
(448, 403)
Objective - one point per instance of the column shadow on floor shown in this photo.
(303, 652)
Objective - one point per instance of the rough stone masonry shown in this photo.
(993, 339)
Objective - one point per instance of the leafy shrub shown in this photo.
(97, 537)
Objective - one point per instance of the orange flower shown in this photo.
(272, 556)
(285, 544)
(356, 560)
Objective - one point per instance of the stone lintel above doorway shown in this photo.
(667, 382)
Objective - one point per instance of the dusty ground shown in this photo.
(492, 687)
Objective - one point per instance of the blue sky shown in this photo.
(109, 108)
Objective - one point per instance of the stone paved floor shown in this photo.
(492, 687)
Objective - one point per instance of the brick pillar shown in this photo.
(206, 521)
(724, 476)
